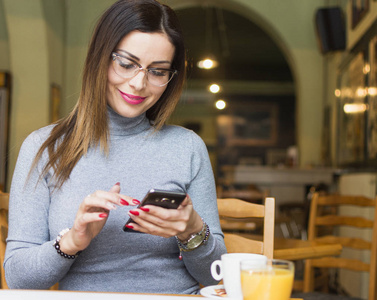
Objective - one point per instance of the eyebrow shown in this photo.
(138, 59)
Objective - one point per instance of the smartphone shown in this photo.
(162, 198)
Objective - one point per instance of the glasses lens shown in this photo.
(159, 77)
(125, 67)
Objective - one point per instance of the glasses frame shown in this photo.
(115, 55)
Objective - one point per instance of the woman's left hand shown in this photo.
(180, 222)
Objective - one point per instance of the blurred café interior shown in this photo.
(285, 101)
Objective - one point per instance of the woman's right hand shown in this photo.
(91, 217)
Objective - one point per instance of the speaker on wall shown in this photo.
(330, 29)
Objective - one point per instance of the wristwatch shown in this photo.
(195, 240)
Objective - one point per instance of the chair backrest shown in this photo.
(239, 210)
(4, 200)
(328, 211)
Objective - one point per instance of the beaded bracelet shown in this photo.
(57, 245)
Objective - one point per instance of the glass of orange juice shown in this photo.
(271, 281)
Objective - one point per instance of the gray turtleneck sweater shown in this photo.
(173, 158)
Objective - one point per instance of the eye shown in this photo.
(158, 72)
(126, 64)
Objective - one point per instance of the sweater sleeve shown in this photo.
(31, 262)
(202, 191)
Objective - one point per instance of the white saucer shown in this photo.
(209, 292)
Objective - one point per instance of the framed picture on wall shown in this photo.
(351, 112)
(256, 127)
(4, 125)
(359, 9)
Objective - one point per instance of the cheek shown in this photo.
(111, 79)
(159, 92)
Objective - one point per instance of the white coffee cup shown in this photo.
(228, 269)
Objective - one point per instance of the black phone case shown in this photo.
(162, 198)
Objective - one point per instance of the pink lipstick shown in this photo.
(132, 99)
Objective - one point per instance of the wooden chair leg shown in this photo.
(308, 277)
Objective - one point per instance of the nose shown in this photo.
(138, 82)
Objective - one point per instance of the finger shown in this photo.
(186, 201)
(157, 224)
(113, 198)
(94, 217)
(115, 188)
(149, 228)
(123, 200)
(153, 212)
(127, 200)
(83, 220)
(95, 202)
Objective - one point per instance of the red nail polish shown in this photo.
(102, 216)
(144, 209)
(123, 202)
(135, 213)
(135, 201)
(118, 183)
(130, 226)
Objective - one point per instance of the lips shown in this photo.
(132, 99)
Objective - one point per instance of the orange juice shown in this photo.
(275, 284)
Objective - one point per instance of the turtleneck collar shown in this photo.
(121, 126)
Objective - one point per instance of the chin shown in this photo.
(129, 113)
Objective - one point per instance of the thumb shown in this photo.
(115, 188)
(187, 201)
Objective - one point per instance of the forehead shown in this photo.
(148, 47)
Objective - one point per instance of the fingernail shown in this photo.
(135, 201)
(110, 205)
(102, 216)
(135, 213)
(130, 226)
(123, 202)
(144, 209)
(118, 183)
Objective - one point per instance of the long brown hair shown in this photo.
(87, 125)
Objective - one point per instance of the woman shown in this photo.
(87, 170)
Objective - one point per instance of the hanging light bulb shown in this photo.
(214, 88)
(220, 104)
(207, 63)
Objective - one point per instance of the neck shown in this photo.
(120, 125)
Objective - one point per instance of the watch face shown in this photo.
(195, 241)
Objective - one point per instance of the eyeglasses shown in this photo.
(128, 68)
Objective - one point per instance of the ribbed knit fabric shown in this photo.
(173, 158)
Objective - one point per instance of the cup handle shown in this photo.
(215, 275)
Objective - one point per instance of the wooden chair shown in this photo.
(4, 202)
(239, 210)
(320, 218)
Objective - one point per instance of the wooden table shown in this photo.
(73, 295)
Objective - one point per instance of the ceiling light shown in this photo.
(354, 108)
(207, 63)
(214, 88)
(220, 104)
(372, 91)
